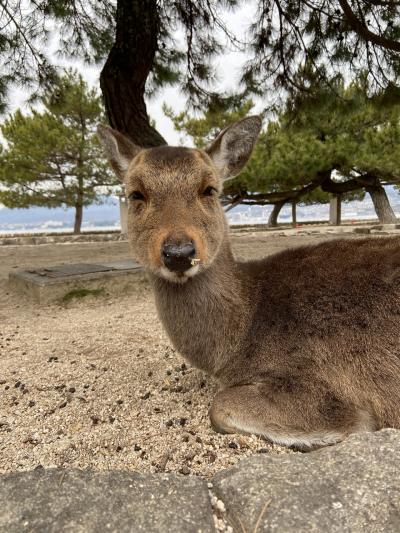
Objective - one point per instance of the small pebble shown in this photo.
(190, 456)
(220, 506)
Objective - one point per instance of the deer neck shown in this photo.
(206, 316)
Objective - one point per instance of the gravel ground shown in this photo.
(95, 382)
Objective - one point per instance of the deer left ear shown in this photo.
(231, 150)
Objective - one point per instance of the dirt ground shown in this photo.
(95, 382)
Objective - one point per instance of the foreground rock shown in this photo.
(352, 487)
(82, 501)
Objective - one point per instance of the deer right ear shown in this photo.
(118, 148)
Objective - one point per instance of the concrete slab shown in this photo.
(63, 282)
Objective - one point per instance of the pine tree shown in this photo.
(363, 131)
(318, 144)
(52, 157)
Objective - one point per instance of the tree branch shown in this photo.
(281, 196)
(365, 32)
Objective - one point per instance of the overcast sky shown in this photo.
(228, 68)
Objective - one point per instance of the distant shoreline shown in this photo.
(106, 217)
(258, 226)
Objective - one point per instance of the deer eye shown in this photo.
(209, 191)
(136, 195)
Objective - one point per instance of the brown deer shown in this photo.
(305, 344)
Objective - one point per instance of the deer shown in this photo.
(304, 344)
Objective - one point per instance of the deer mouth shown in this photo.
(177, 276)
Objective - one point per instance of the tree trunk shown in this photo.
(78, 218)
(273, 217)
(128, 65)
(381, 203)
(294, 214)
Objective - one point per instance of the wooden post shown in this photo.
(294, 213)
(335, 210)
(123, 214)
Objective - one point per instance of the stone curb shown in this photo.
(60, 239)
(352, 487)
(306, 229)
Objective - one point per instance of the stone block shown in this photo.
(81, 501)
(51, 284)
(353, 487)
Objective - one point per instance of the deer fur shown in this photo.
(305, 344)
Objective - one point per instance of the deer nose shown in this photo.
(178, 257)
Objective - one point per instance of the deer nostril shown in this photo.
(177, 257)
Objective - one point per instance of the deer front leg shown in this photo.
(295, 418)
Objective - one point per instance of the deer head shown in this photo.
(176, 223)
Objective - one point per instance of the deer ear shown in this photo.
(231, 150)
(118, 148)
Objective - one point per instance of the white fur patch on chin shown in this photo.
(178, 277)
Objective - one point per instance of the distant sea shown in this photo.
(106, 216)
